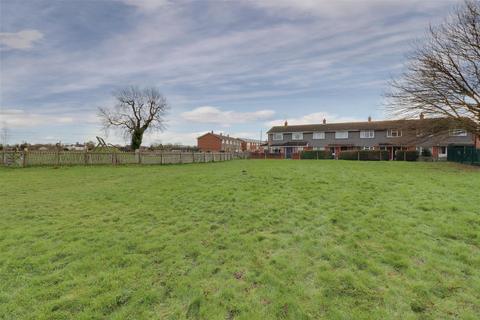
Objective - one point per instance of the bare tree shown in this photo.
(137, 111)
(442, 77)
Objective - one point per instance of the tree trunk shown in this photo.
(137, 137)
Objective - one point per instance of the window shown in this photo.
(458, 133)
(368, 148)
(318, 148)
(367, 134)
(278, 136)
(341, 134)
(393, 133)
(442, 151)
(297, 136)
(318, 135)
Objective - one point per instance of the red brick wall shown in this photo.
(209, 142)
(435, 152)
(243, 146)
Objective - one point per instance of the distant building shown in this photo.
(251, 145)
(75, 147)
(213, 142)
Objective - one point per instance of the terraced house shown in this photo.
(390, 135)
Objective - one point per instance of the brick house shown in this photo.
(251, 145)
(213, 142)
(390, 135)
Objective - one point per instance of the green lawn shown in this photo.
(241, 240)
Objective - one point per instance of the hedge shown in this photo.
(316, 154)
(401, 155)
(364, 155)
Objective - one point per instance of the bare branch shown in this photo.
(442, 77)
(137, 111)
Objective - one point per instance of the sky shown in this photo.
(237, 67)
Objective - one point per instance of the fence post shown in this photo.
(57, 157)
(204, 157)
(358, 155)
(180, 157)
(193, 157)
(161, 157)
(139, 156)
(24, 161)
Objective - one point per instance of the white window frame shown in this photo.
(367, 134)
(297, 135)
(398, 134)
(318, 135)
(440, 154)
(457, 133)
(368, 148)
(277, 137)
(338, 136)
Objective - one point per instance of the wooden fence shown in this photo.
(61, 158)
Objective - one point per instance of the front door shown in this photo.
(288, 152)
(394, 151)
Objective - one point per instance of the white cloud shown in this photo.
(20, 40)
(312, 118)
(15, 118)
(341, 8)
(208, 114)
(146, 5)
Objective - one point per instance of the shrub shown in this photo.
(316, 154)
(374, 155)
(402, 155)
(426, 152)
(364, 155)
(348, 155)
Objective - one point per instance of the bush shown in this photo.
(426, 152)
(374, 155)
(364, 155)
(348, 155)
(401, 155)
(316, 154)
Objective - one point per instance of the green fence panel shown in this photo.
(464, 154)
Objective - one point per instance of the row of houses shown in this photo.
(434, 135)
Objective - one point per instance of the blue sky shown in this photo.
(232, 66)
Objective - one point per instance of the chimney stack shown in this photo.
(422, 116)
(369, 119)
(324, 121)
(286, 123)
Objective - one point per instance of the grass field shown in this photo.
(241, 240)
